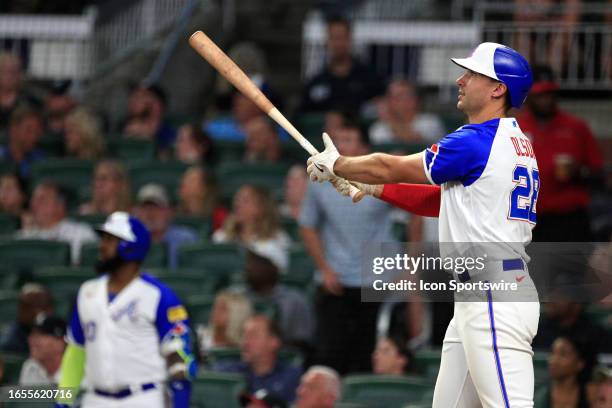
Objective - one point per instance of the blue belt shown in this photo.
(507, 265)
(124, 393)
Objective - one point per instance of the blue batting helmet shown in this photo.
(502, 64)
(134, 238)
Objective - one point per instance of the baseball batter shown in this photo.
(483, 184)
(129, 333)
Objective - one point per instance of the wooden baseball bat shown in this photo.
(232, 72)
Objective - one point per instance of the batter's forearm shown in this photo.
(380, 168)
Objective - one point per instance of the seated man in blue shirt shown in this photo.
(259, 363)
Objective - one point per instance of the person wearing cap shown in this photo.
(259, 360)
(482, 182)
(154, 209)
(129, 333)
(47, 344)
(569, 161)
(264, 264)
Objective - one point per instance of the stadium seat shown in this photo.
(384, 391)
(156, 257)
(12, 368)
(540, 366)
(7, 167)
(8, 307)
(218, 355)
(63, 281)
(184, 283)
(131, 149)
(203, 226)
(234, 175)
(291, 227)
(93, 220)
(74, 175)
(199, 308)
(220, 258)
(227, 151)
(8, 224)
(52, 145)
(427, 363)
(311, 126)
(168, 174)
(32, 253)
(212, 390)
(301, 268)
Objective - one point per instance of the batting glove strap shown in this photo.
(320, 167)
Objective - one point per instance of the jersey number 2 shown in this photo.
(525, 194)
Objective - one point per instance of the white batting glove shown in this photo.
(320, 167)
(343, 186)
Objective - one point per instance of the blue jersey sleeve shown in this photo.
(460, 156)
(75, 330)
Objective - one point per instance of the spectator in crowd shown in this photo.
(570, 364)
(262, 141)
(34, 299)
(602, 396)
(12, 94)
(25, 130)
(110, 189)
(400, 119)
(261, 343)
(344, 81)
(568, 161)
(199, 196)
(564, 318)
(47, 346)
(391, 357)
(82, 136)
(13, 196)
(146, 111)
(261, 399)
(154, 209)
(230, 312)
(49, 208)
(320, 387)
(232, 128)
(254, 218)
(264, 263)
(334, 230)
(296, 184)
(193, 146)
(58, 104)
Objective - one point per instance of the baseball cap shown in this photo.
(118, 225)
(153, 193)
(271, 251)
(544, 80)
(262, 398)
(51, 325)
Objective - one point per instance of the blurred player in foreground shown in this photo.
(129, 333)
(485, 184)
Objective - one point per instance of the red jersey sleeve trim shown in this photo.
(419, 199)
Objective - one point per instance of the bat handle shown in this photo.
(356, 194)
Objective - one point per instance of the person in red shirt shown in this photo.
(568, 161)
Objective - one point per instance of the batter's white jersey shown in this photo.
(122, 334)
(490, 182)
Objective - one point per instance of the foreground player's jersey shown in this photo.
(122, 335)
(490, 182)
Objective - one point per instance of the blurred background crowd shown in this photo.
(103, 108)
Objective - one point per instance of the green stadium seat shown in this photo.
(228, 151)
(156, 257)
(201, 225)
(63, 281)
(221, 258)
(178, 119)
(218, 355)
(311, 126)
(213, 390)
(52, 145)
(30, 253)
(8, 307)
(93, 220)
(184, 283)
(12, 368)
(73, 175)
(129, 149)
(11, 278)
(301, 268)
(8, 224)
(291, 227)
(199, 308)
(384, 391)
(427, 363)
(540, 366)
(7, 167)
(168, 174)
(233, 175)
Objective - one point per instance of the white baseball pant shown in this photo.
(487, 356)
(153, 398)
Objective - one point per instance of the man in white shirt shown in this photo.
(49, 209)
(47, 346)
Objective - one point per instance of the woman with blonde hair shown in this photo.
(254, 219)
(199, 196)
(110, 189)
(82, 136)
(227, 318)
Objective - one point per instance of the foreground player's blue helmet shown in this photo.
(502, 64)
(134, 238)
